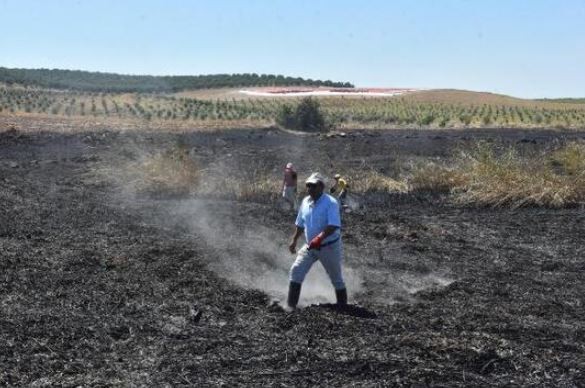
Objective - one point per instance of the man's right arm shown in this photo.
(293, 244)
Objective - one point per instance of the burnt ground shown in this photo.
(98, 288)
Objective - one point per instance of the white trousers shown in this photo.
(331, 258)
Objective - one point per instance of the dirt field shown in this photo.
(104, 286)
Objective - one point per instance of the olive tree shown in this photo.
(307, 116)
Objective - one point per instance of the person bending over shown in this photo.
(340, 189)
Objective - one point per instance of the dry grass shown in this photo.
(486, 177)
(171, 171)
(176, 172)
(259, 186)
(483, 176)
(570, 159)
(434, 177)
(467, 97)
(372, 181)
(265, 186)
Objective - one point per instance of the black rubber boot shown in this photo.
(294, 291)
(341, 296)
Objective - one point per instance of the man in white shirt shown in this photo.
(319, 220)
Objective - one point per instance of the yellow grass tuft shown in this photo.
(570, 159)
(172, 171)
(373, 181)
(434, 177)
(485, 177)
(256, 185)
(262, 187)
(510, 180)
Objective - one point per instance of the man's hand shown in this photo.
(315, 243)
(292, 247)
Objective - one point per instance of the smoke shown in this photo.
(252, 256)
(242, 249)
(388, 287)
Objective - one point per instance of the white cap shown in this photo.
(337, 176)
(289, 165)
(315, 177)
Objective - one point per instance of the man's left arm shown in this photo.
(329, 230)
(315, 243)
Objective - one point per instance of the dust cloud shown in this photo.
(254, 256)
(250, 252)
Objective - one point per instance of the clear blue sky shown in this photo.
(524, 48)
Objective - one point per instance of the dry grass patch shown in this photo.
(172, 171)
(264, 187)
(484, 175)
(488, 177)
(175, 172)
(258, 185)
(570, 159)
(510, 180)
(434, 177)
(373, 181)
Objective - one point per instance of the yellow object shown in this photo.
(341, 184)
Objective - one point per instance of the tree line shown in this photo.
(112, 82)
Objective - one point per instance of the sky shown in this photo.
(523, 48)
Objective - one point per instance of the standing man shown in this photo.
(319, 220)
(289, 190)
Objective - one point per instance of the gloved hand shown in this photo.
(315, 243)
(332, 190)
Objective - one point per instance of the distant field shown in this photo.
(230, 108)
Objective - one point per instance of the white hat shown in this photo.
(337, 176)
(289, 165)
(315, 177)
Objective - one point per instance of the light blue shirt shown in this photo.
(315, 216)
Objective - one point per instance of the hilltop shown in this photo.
(112, 82)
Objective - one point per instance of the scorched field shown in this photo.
(118, 268)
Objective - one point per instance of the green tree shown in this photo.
(285, 116)
(306, 117)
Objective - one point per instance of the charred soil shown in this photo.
(102, 288)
